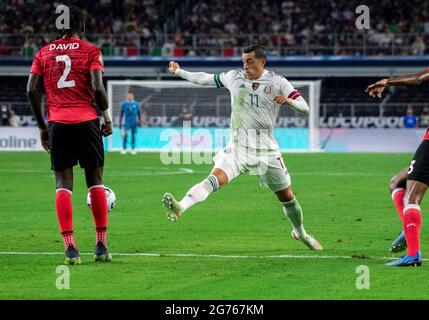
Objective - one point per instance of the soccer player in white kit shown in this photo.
(256, 97)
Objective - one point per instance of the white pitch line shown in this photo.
(197, 255)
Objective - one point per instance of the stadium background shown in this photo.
(305, 40)
(343, 195)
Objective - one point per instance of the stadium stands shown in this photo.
(220, 27)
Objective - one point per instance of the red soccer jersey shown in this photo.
(426, 136)
(65, 65)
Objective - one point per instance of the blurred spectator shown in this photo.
(13, 119)
(5, 114)
(410, 120)
(168, 47)
(418, 48)
(424, 118)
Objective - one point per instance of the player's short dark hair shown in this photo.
(257, 49)
(77, 22)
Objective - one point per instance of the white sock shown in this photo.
(293, 212)
(199, 192)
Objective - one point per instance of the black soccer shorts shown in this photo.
(73, 143)
(419, 168)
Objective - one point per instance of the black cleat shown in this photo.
(101, 253)
(72, 256)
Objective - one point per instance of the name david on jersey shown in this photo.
(64, 46)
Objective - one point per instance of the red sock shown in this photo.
(99, 212)
(63, 203)
(412, 223)
(398, 198)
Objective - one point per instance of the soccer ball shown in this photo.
(110, 196)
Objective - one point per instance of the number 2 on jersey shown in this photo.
(62, 83)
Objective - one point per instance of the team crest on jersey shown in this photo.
(255, 86)
(267, 89)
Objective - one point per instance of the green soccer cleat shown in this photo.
(309, 241)
(101, 253)
(72, 256)
(400, 244)
(172, 206)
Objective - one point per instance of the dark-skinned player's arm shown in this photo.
(376, 89)
(33, 96)
(101, 100)
(399, 180)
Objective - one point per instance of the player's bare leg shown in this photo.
(63, 204)
(397, 187)
(411, 223)
(293, 212)
(198, 193)
(94, 182)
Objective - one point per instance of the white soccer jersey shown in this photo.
(254, 113)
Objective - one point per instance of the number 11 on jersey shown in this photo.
(254, 100)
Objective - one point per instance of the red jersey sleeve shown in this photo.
(36, 67)
(96, 60)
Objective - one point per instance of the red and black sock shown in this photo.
(68, 239)
(63, 204)
(101, 235)
(99, 212)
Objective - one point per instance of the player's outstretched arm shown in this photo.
(101, 100)
(376, 89)
(202, 78)
(33, 96)
(299, 104)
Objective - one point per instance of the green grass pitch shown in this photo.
(236, 245)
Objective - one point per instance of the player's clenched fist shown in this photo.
(44, 139)
(173, 66)
(282, 100)
(106, 129)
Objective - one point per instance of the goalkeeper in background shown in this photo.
(131, 111)
(256, 98)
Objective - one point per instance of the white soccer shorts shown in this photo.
(270, 167)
